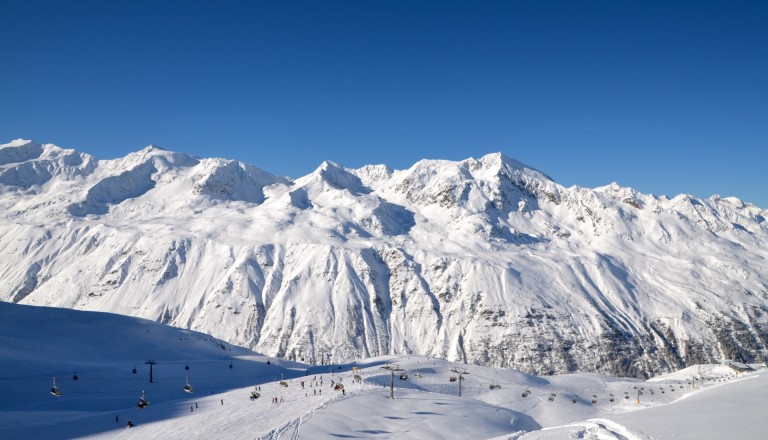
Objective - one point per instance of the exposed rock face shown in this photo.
(485, 261)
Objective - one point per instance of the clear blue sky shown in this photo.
(667, 97)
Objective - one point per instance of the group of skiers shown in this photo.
(314, 384)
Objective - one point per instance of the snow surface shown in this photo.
(38, 343)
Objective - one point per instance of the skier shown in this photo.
(222, 401)
(129, 424)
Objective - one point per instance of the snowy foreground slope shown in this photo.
(485, 261)
(37, 343)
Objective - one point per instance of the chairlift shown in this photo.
(575, 398)
(526, 393)
(494, 386)
(612, 399)
(74, 376)
(552, 397)
(230, 365)
(418, 375)
(134, 370)
(452, 379)
(188, 387)
(143, 402)
(54, 389)
(186, 366)
(594, 399)
(403, 376)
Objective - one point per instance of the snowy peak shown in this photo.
(332, 176)
(232, 180)
(19, 150)
(29, 166)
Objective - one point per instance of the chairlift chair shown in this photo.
(552, 397)
(54, 389)
(575, 398)
(143, 402)
(611, 398)
(188, 387)
(403, 377)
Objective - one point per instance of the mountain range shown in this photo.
(484, 261)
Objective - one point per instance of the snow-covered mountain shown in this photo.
(485, 261)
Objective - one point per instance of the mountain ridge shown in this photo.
(484, 260)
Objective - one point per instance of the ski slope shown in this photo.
(38, 343)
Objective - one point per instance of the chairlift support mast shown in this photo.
(151, 363)
(392, 370)
(461, 379)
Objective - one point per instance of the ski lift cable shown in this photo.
(47, 376)
(66, 376)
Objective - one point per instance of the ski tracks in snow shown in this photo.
(592, 429)
(295, 425)
(604, 429)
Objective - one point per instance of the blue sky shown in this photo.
(667, 97)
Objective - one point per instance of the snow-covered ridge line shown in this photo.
(484, 260)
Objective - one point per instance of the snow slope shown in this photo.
(484, 260)
(37, 343)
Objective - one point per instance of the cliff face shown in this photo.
(485, 260)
